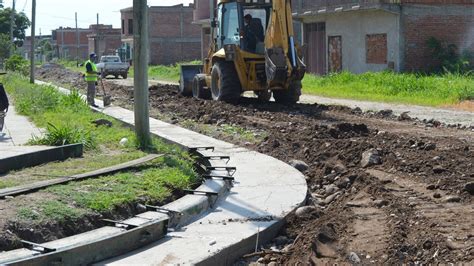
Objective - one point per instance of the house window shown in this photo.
(123, 26)
(130, 26)
(376, 45)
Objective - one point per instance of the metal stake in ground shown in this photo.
(140, 62)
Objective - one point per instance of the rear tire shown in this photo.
(225, 83)
(116, 76)
(199, 92)
(290, 95)
(124, 76)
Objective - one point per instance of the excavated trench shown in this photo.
(380, 190)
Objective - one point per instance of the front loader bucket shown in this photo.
(188, 72)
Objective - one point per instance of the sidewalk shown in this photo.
(16, 132)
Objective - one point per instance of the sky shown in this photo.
(51, 14)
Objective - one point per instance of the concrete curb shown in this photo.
(34, 158)
(264, 193)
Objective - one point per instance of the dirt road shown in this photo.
(381, 190)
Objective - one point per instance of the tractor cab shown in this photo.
(243, 24)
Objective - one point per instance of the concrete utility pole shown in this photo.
(32, 55)
(140, 62)
(12, 28)
(77, 43)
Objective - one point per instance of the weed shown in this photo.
(26, 213)
(58, 211)
(65, 135)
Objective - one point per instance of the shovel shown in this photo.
(107, 99)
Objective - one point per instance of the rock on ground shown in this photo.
(300, 165)
(370, 158)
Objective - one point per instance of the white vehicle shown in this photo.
(112, 65)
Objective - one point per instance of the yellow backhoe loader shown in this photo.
(252, 49)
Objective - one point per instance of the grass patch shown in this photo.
(90, 162)
(67, 118)
(435, 90)
(104, 194)
(166, 73)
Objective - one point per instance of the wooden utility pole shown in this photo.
(12, 28)
(140, 62)
(33, 37)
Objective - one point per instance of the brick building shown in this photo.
(173, 37)
(100, 39)
(374, 35)
(370, 35)
(66, 40)
(104, 40)
(25, 49)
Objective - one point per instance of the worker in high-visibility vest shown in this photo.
(91, 78)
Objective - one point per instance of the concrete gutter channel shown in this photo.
(209, 229)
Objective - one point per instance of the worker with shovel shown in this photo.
(91, 78)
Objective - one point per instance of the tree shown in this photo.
(45, 48)
(21, 24)
(5, 45)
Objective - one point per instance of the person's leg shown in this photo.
(91, 92)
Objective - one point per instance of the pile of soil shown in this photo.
(380, 190)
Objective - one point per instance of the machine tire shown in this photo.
(124, 76)
(199, 92)
(225, 83)
(289, 96)
(116, 76)
(103, 75)
(264, 96)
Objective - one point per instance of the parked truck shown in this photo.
(112, 65)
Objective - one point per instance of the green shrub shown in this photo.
(65, 135)
(451, 60)
(73, 100)
(18, 64)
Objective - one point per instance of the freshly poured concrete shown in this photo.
(265, 191)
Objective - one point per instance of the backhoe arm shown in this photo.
(282, 62)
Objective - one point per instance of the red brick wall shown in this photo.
(70, 36)
(173, 36)
(170, 53)
(453, 24)
(68, 48)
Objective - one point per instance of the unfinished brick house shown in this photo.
(375, 35)
(104, 40)
(173, 37)
(71, 44)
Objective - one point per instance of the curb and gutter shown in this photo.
(224, 219)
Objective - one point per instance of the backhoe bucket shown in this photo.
(188, 72)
